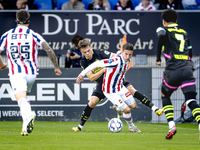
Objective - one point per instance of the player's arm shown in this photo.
(52, 57)
(2, 65)
(161, 39)
(94, 76)
(2, 47)
(94, 65)
(187, 39)
(102, 63)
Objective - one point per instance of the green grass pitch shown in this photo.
(96, 136)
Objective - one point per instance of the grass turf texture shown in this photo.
(96, 136)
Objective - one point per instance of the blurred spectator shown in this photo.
(74, 55)
(191, 4)
(145, 5)
(73, 5)
(22, 4)
(99, 5)
(31, 4)
(124, 5)
(8, 4)
(54, 4)
(25, 4)
(170, 4)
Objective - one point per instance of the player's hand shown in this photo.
(79, 79)
(3, 66)
(57, 71)
(158, 63)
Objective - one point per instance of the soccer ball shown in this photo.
(115, 125)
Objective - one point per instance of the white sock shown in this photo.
(25, 110)
(199, 127)
(171, 124)
(128, 119)
(154, 108)
(27, 99)
(80, 126)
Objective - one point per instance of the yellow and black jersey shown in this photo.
(97, 55)
(174, 42)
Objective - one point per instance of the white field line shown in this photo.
(167, 126)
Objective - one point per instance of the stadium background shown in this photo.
(60, 99)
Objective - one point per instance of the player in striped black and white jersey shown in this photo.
(113, 88)
(21, 44)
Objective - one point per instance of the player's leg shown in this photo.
(192, 104)
(128, 98)
(144, 100)
(97, 95)
(190, 99)
(168, 109)
(19, 86)
(30, 81)
(118, 101)
(86, 113)
(130, 101)
(188, 87)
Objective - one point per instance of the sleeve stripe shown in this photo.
(160, 29)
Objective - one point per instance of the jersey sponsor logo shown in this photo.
(182, 57)
(96, 70)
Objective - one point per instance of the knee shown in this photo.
(91, 104)
(133, 106)
(131, 89)
(190, 97)
(127, 110)
(162, 95)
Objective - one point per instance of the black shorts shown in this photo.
(98, 92)
(183, 77)
(126, 83)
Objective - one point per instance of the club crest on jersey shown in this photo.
(120, 101)
(108, 61)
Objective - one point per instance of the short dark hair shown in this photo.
(22, 15)
(83, 44)
(169, 15)
(76, 39)
(128, 46)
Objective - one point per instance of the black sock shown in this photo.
(168, 108)
(195, 110)
(143, 99)
(85, 115)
